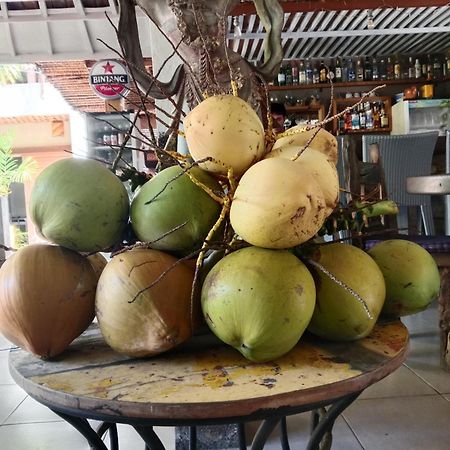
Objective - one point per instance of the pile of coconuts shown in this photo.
(215, 245)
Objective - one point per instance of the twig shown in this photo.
(8, 249)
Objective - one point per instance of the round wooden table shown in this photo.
(205, 382)
(429, 185)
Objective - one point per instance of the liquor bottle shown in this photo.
(351, 74)
(341, 123)
(348, 121)
(376, 116)
(355, 119)
(417, 69)
(309, 72)
(369, 116)
(315, 75)
(411, 68)
(389, 69)
(302, 73)
(368, 70)
(384, 119)
(282, 77)
(375, 69)
(446, 66)
(382, 69)
(323, 73)
(331, 74)
(362, 117)
(338, 71)
(397, 69)
(447, 61)
(359, 70)
(437, 68)
(344, 72)
(294, 70)
(288, 72)
(429, 75)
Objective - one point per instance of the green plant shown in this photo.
(12, 73)
(11, 168)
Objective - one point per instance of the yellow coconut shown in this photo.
(277, 204)
(323, 141)
(227, 129)
(319, 167)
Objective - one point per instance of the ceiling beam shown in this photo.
(338, 5)
(348, 33)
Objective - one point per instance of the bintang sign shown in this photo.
(109, 79)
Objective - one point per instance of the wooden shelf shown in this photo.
(352, 84)
(368, 131)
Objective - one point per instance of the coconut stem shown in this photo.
(340, 283)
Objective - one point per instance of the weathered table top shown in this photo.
(204, 378)
(431, 184)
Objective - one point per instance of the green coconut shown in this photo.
(411, 276)
(339, 315)
(171, 201)
(259, 301)
(79, 204)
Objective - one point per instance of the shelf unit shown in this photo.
(340, 104)
(355, 84)
(316, 111)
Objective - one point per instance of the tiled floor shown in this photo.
(408, 410)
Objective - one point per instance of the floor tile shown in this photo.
(11, 396)
(41, 436)
(414, 423)
(31, 411)
(298, 432)
(402, 383)
(130, 439)
(5, 377)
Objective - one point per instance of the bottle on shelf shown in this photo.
(323, 73)
(338, 71)
(384, 119)
(288, 75)
(348, 121)
(375, 69)
(331, 73)
(424, 68)
(355, 119)
(359, 70)
(294, 71)
(376, 116)
(437, 68)
(301, 72)
(382, 69)
(417, 69)
(315, 75)
(447, 62)
(351, 74)
(445, 66)
(397, 69)
(369, 115)
(341, 123)
(282, 77)
(368, 69)
(362, 117)
(389, 69)
(309, 72)
(429, 76)
(411, 68)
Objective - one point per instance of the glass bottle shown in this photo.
(411, 68)
(348, 121)
(368, 69)
(369, 116)
(397, 69)
(362, 117)
(359, 70)
(294, 70)
(389, 69)
(376, 116)
(323, 73)
(355, 119)
(309, 72)
(288, 74)
(351, 74)
(384, 119)
(382, 69)
(315, 75)
(375, 70)
(429, 68)
(338, 71)
(437, 68)
(282, 77)
(417, 69)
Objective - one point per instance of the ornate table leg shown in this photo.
(150, 438)
(113, 436)
(263, 433)
(82, 425)
(321, 437)
(284, 434)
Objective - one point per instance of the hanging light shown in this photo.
(237, 32)
(370, 22)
